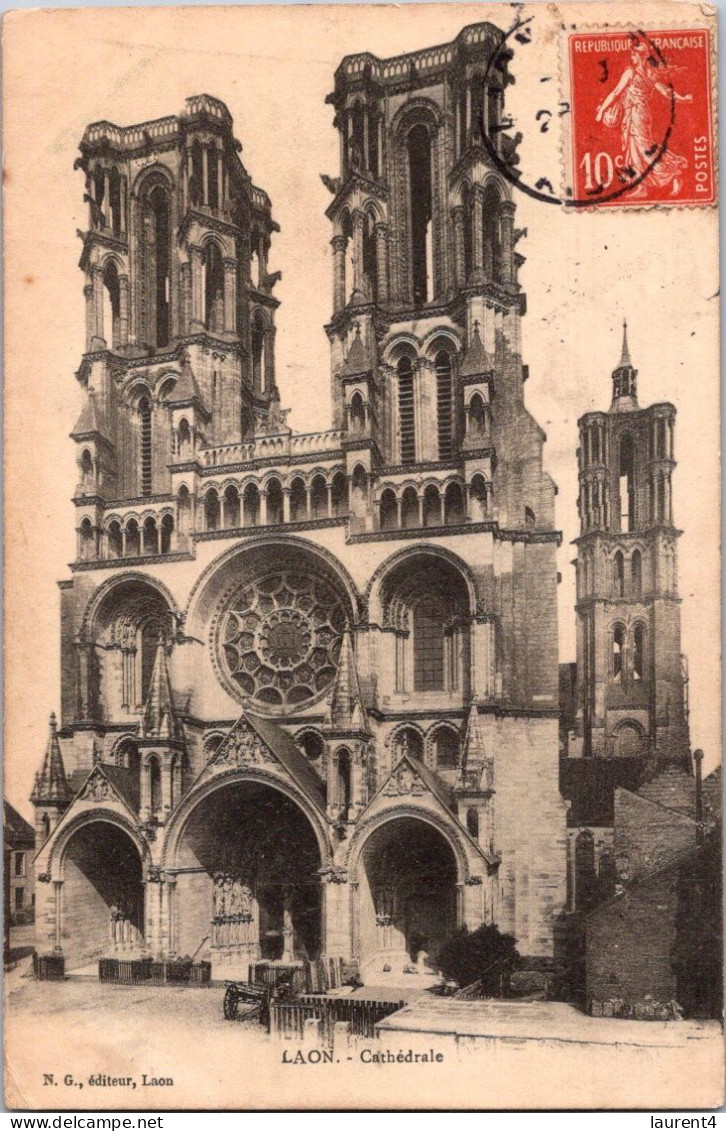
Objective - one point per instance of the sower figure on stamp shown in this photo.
(629, 106)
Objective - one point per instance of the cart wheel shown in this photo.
(231, 1004)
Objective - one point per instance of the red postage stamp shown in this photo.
(641, 127)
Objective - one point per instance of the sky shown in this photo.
(584, 273)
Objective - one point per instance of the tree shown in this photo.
(485, 955)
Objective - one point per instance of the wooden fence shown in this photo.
(287, 1019)
(146, 972)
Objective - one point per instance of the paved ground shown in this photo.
(82, 1033)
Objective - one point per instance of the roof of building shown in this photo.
(356, 361)
(590, 784)
(91, 419)
(475, 360)
(17, 832)
(286, 751)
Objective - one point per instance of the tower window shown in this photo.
(145, 445)
(213, 288)
(443, 394)
(370, 271)
(389, 510)
(636, 573)
(258, 353)
(157, 246)
(111, 304)
(638, 653)
(410, 743)
(467, 202)
(492, 235)
(419, 164)
(472, 823)
(406, 411)
(627, 484)
(211, 510)
(428, 645)
(446, 747)
(155, 784)
(618, 653)
(344, 776)
(114, 203)
(213, 174)
(619, 575)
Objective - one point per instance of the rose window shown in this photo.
(279, 637)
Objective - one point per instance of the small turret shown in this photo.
(51, 793)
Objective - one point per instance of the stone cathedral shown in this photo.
(309, 681)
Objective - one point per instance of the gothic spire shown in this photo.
(476, 762)
(346, 706)
(625, 354)
(51, 783)
(159, 717)
(625, 388)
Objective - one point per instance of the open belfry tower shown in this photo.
(309, 681)
(631, 691)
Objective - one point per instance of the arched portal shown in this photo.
(247, 886)
(407, 875)
(102, 894)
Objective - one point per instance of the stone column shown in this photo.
(366, 148)
(477, 235)
(185, 273)
(338, 245)
(220, 180)
(467, 131)
(166, 785)
(263, 508)
(288, 930)
(285, 504)
(506, 211)
(97, 282)
(332, 783)
(358, 225)
(205, 174)
(380, 146)
(123, 193)
(457, 217)
(107, 198)
(123, 310)
(145, 791)
(230, 296)
(90, 315)
(382, 261)
(58, 899)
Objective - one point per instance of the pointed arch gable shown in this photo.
(209, 782)
(51, 856)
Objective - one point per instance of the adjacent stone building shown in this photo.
(309, 682)
(18, 852)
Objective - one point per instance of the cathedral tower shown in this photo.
(631, 680)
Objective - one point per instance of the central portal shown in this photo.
(247, 883)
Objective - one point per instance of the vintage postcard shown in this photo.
(362, 649)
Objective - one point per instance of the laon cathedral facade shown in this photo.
(310, 684)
